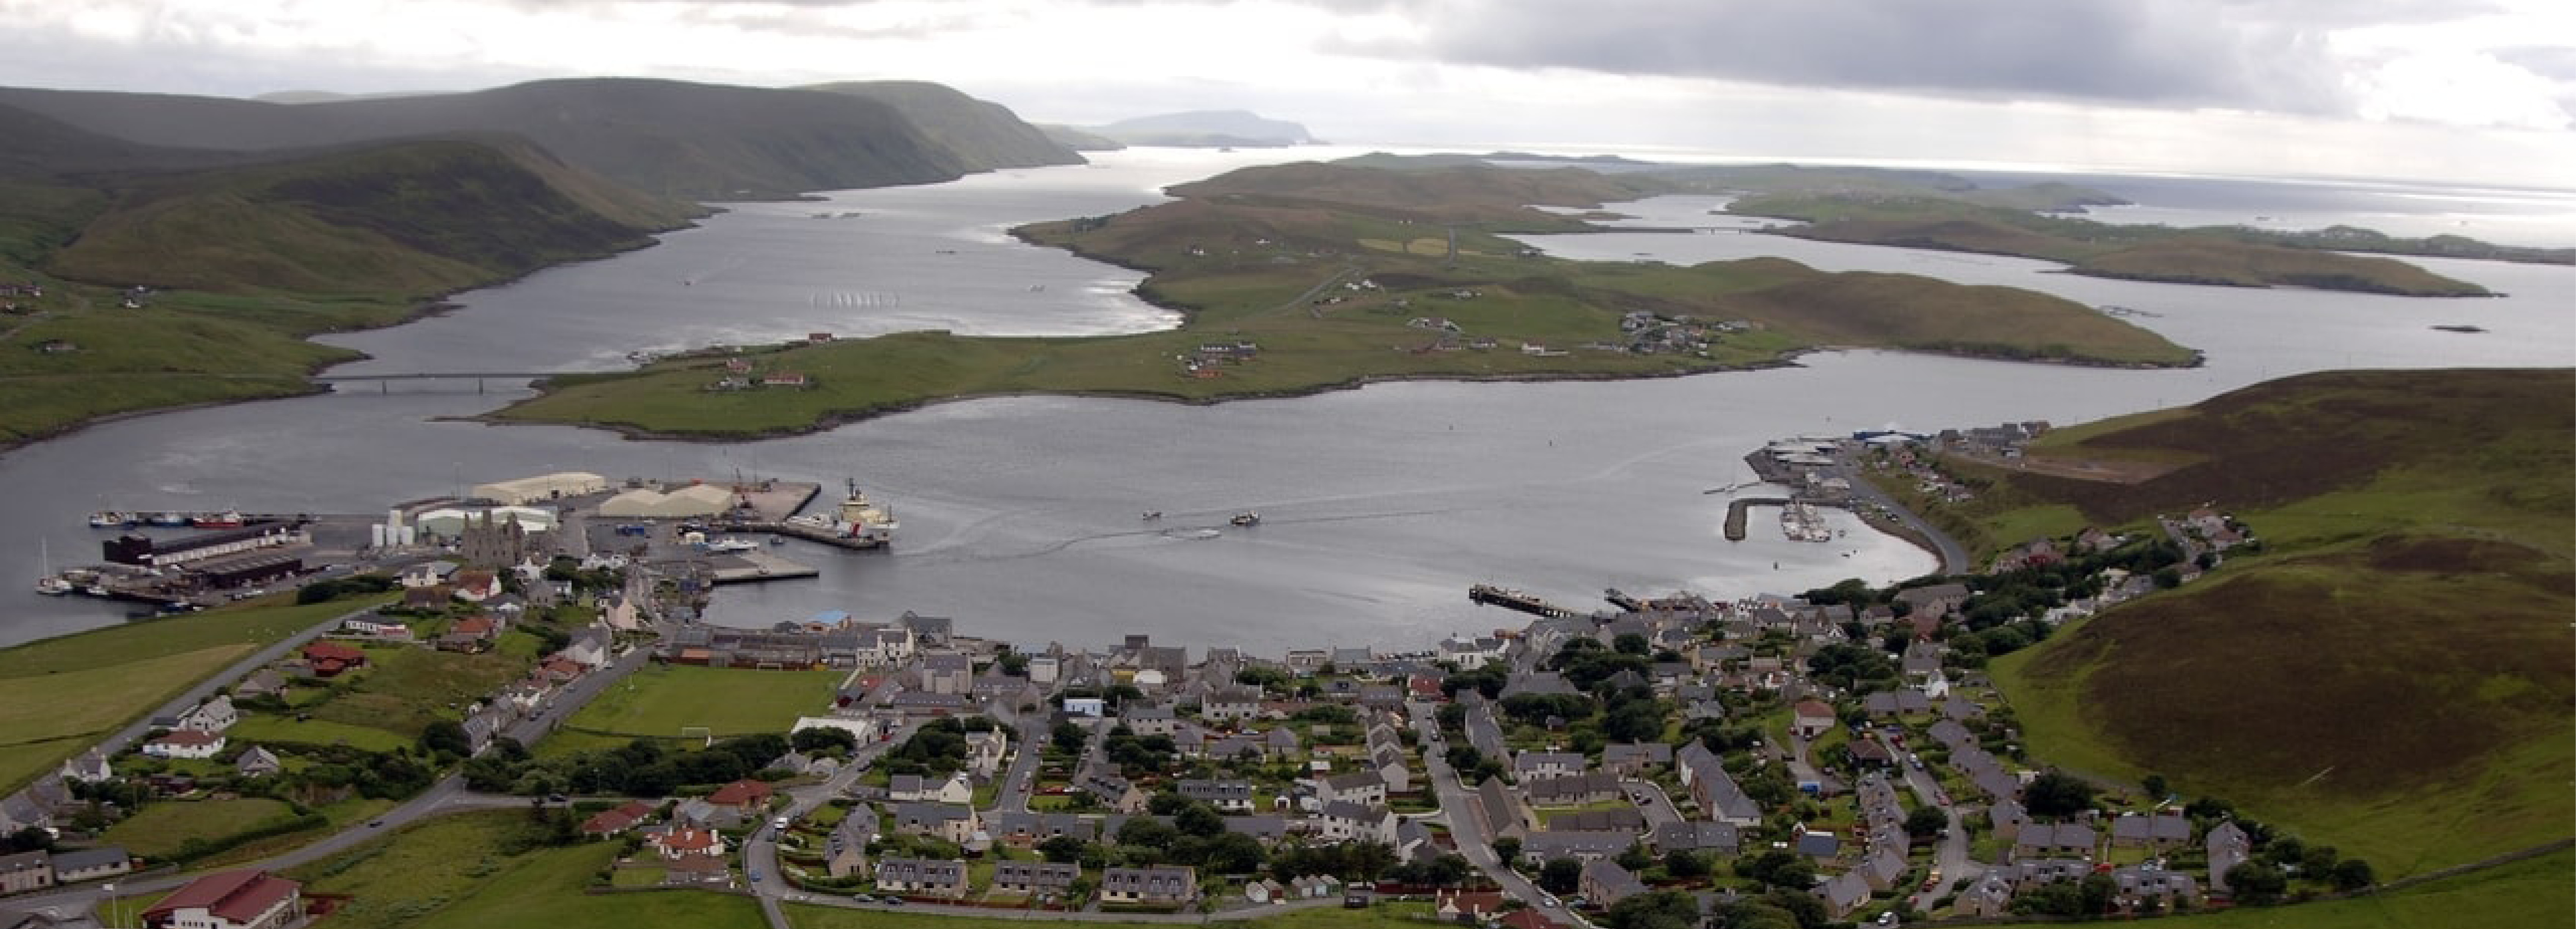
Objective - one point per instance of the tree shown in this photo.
(1630, 643)
(2352, 874)
(30, 839)
(446, 735)
(1635, 857)
(1684, 863)
(2057, 793)
(1926, 821)
(1069, 738)
(821, 738)
(1659, 910)
(1063, 849)
(1143, 831)
(1507, 849)
(1166, 804)
(2156, 787)
(1447, 871)
(1560, 875)
(1196, 819)
(2256, 882)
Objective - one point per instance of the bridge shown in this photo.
(384, 381)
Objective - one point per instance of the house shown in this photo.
(1169, 885)
(845, 851)
(1112, 791)
(1225, 796)
(26, 871)
(258, 762)
(1231, 704)
(1719, 797)
(610, 822)
(231, 900)
(1149, 719)
(1576, 790)
(2228, 846)
(1316, 886)
(90, 864)
(1629, 759)
(953, 822)
(1343, 822)
(1605, 883)
(746, 796)
(2046, 839)
(696, 811)
(185, 743)
(214, 715)
(685, 841)
(1691, 836)
(922, 877)
(947, 674)
(698, 871)
(1471, 906)
(2134, 886)
(1883, 868)
(89, 767)
(1528, 765)
(984, 751)
(956, 788)
(329, 659)
(1364, 787)
(1890, 704)
(1034, 877)
(475, 585)
(2160, 830)
(1265, 890)
(1843, 894)
(1579, 845)
(1818, 844)
(1026, 829)
(1811, 718)
(470, 634)
(1266, 829)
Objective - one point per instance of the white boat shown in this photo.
(113, 519)
(732, 544)
(857, 518)
(1246, 518)
(170, 519)
(51, 584)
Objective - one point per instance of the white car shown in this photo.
(1549, 900)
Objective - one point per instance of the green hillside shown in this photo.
(983, 135)
(699, 141)
(240, 263)
(2391, 673)
(1341, 276)
(2002, 223)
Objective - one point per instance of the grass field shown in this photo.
(1256, 253)
(2390, 675)
(2532, 893)
(405, 688)
(262, 727)
(660, 699)
(158, 829)
(1383, 916)
(449, 873)
(125, 672)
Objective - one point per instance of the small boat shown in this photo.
(1151, 515)
(1246, 518)
(228, 519)
(169, 519)
(51, 584)
(113, 519)
(732, 544)
(778, 540)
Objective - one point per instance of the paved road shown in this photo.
(1458, 808)
(1021, 780)
(1658, 806)
(127, 736)
(1954, 557)
(1951, 857)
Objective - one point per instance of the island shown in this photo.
(1307, 277)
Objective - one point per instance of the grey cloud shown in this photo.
(2553, 62)
(2147, 52)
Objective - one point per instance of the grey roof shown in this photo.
(1561, 843)
(87, 858)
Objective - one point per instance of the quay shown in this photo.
(805, 532)
(752, 567)
(1515, 600)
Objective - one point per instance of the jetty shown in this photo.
(804, 531)
(1510, 599)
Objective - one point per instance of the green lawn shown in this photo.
(1382, 916)
(2532, 893)
(159, 829)
(263, 727)
(452, 872)
(124, 672)
(405, 688)
(659, 700)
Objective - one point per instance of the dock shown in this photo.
(1515, 600)
(805, 532)
(753, 567)
(1740, 509)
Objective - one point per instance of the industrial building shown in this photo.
(690, 502)
(542, 487)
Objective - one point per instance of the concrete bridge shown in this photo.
(384, 382)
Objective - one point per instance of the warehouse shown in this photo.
(542, 487)
(450, 523)
(695, 500)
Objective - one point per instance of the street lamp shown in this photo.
(110, 891)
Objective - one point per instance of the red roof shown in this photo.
(1530, 919)
(333, 651)
(740, 793)
(191, 737)
(683, 841)
(239, 896)
(473, 625)
(1813, 708)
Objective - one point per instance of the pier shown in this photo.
(1515, 600)
(753, 567)
(805, 532)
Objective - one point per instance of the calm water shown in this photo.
(1020, 515)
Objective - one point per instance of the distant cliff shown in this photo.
(1205, 129)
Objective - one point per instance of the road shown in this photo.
(1954, 557)
(1458, 809)
(446, 795)
(1950, 858)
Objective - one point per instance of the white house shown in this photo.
(186, 743)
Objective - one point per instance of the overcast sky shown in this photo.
(2478, 91)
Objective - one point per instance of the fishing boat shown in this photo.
(1151, 515)
(51, 584)
(1246, 518)
(113, 519)
(228, 519)
(169, 519)
(732, 544)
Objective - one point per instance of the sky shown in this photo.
(2476, 92)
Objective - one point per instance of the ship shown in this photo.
(857, 518)
(732, 544)
(1246, 518)
(51, 584)
(228, 519)
(1800, 522)
(169, 519)
(114, 519)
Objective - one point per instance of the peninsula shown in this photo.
(1307, 277)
